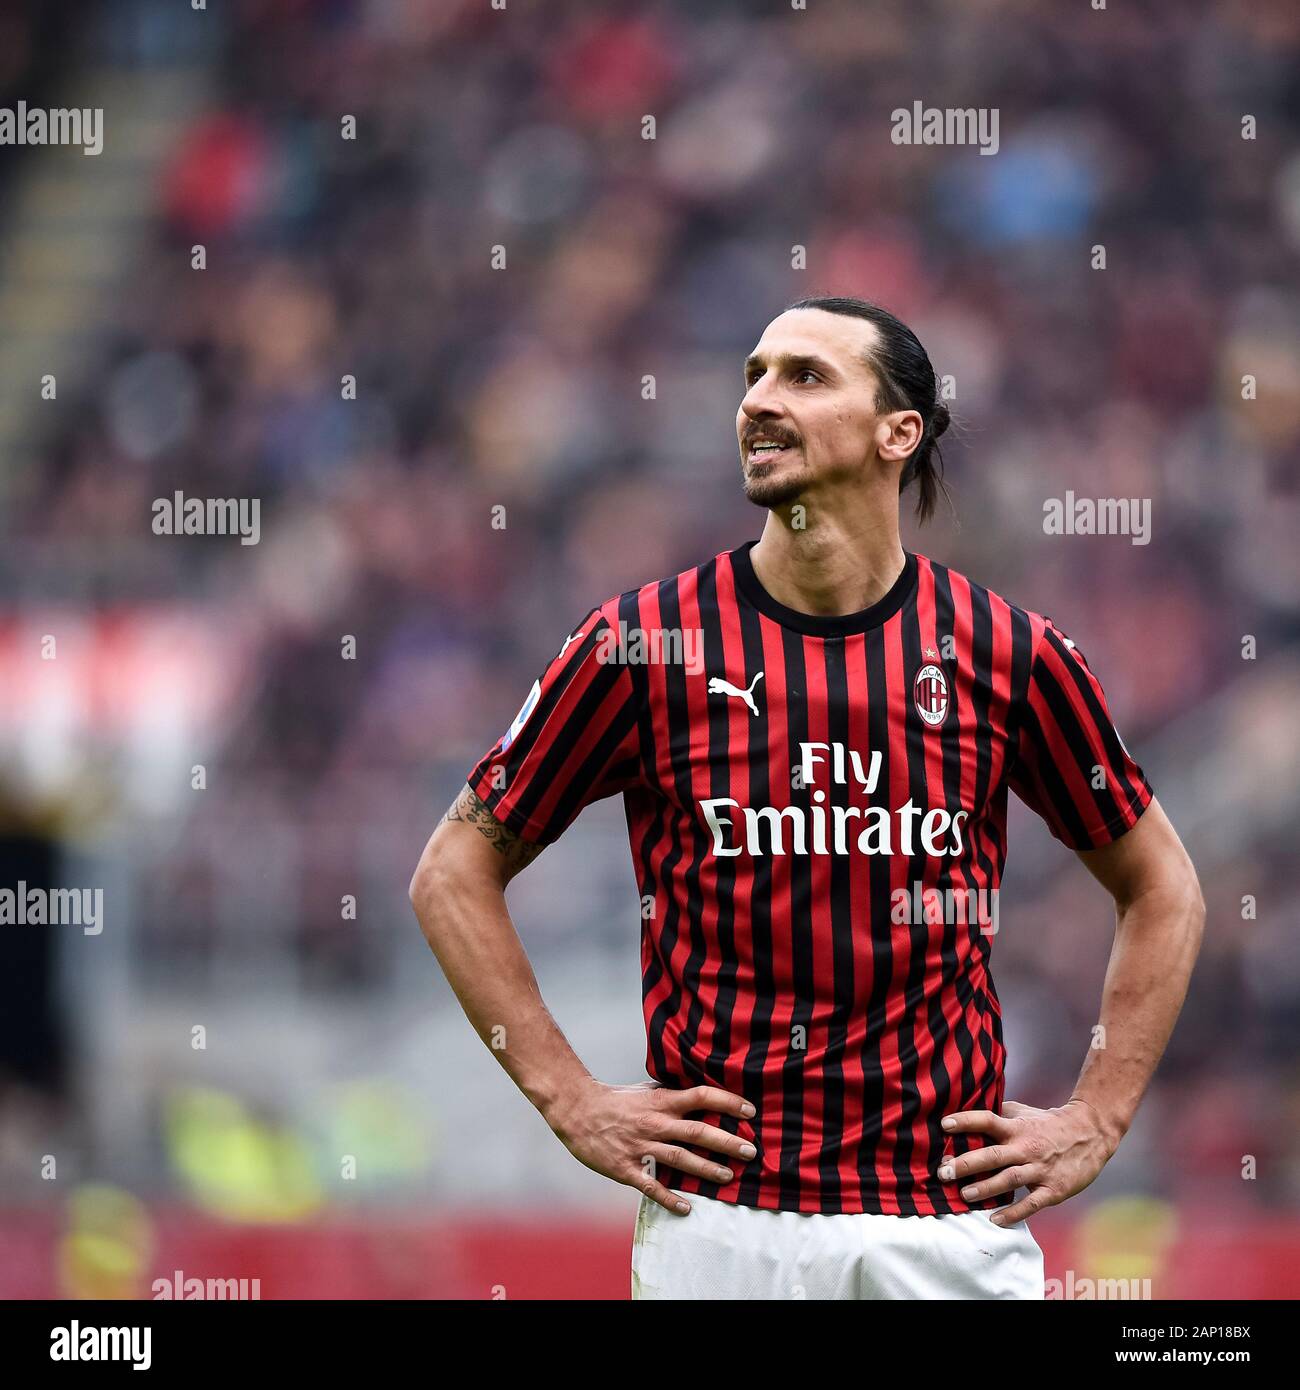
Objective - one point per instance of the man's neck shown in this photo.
(832, 568)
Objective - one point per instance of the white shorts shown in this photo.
(725, 1251)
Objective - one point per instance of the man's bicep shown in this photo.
(479, 835)
(1147, 856)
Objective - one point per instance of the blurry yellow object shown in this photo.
(105, 1251)
(382, 1126)
(235, 1165)
(1126, 1238)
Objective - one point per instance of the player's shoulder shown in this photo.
(961, 589)
(994, 610)
(655, 594)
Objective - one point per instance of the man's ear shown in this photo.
(898, 434)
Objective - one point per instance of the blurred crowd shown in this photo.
(498, 259)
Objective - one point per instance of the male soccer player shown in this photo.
(816, 796)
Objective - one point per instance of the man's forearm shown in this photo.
(1157, 937)
(467, 924)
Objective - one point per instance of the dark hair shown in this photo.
(906, 378)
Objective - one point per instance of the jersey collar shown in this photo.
(819, 625)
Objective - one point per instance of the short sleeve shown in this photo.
(1072, 767)
(575, 739)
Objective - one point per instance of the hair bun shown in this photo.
(942, 418)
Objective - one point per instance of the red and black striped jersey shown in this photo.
(817, 813)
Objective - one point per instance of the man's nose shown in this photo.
(760, 401)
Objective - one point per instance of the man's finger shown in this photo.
(977, 1122)
(709, 1137)
(706, 1098)
(976, 1161)
(1006, 1181)
(657, 1192)
(1039, 1198)
(687, 1162)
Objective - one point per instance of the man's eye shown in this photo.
(752, 377)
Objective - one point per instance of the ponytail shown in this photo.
(925, 463)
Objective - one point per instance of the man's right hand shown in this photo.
(625, 1132)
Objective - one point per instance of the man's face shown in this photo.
(808, 389)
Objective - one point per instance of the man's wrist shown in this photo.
(554, 1099)
(1112, 1129)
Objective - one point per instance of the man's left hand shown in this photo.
(1054, 1153)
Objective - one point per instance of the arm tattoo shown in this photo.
(469, 807)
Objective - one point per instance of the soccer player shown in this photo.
(814, 735)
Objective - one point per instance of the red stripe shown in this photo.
(780, 759)
(821, 931)
(698, 734)
(855, 668)
(973, 946)
(697, 700)
(896, 687)
(924, 1163)
(741, 724)
(652, 946)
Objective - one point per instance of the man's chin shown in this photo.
(779, 491)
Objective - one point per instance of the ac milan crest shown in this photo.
(930, 691)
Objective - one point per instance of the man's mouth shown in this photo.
(766, 449)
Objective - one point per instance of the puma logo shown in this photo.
(717, 686)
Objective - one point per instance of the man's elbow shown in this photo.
(1174, 874)
(1197, 909)
(456, 863)
(415, 890)
(1192, 902)
(431, 877)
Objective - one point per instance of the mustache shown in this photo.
(775, 436)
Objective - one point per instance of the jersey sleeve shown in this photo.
(1072, 767)
(575, 739)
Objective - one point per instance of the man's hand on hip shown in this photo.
(625, 1132)
(1054, 1153)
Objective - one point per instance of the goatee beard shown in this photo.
(770, 492)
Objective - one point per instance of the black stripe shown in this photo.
(840, 911)
(716, 715)
(981, 660)
(799, 910)
(724, 998)
(879, 925)
(1022, 715)
(918, 932)
(563, 739)
(1131, 793)
(677, 722)
(952, 973)
(629, 612)
(527, 737)
(661, 829)
(757, 912)
(988, 821)
(1022, 642)
(578, 789)
(991, 817)
(1050, 780)
(658, 831)
(1076, 740)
